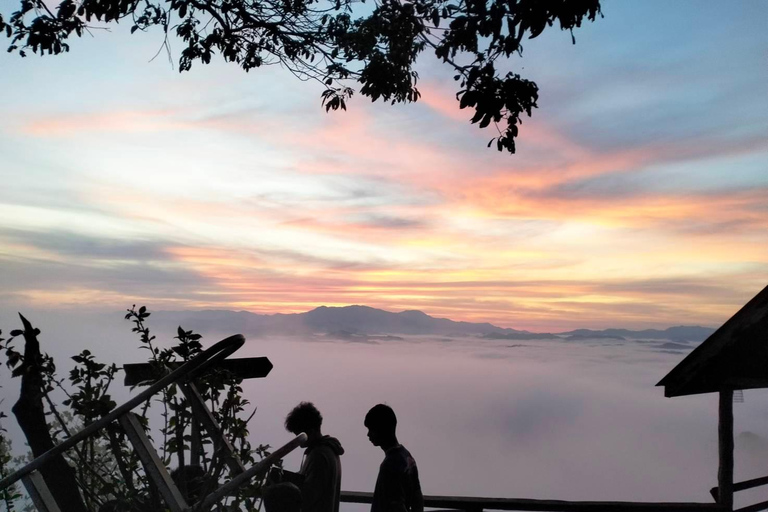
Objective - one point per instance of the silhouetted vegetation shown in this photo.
(104, 472)
(335, 43)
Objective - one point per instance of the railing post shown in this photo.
(152, 463)
(201, 413)
(725, 450)
(39, 492)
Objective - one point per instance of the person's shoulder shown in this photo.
(325, 454)
(329, 445)
(398, 458)
(403, 453)
(408, 463)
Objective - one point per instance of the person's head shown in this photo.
(381, 423)
(304, 418)
(282, 497)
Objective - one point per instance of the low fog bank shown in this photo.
(527, 419)
(538, 420)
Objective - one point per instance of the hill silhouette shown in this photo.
(365, 320)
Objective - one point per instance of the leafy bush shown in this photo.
(108, 471)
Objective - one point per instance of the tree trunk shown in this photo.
(30, 416)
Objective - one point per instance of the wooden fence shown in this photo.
(473, 504)
(743, 486)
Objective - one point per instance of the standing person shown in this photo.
(397, 487)
(321, 467)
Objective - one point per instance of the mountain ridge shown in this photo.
(366, 320)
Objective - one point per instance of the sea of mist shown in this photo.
(549, 419)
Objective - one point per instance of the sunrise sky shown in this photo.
(638, 196)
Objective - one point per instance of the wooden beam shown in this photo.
(725, 450)
(244, 367)
(201, 414)
(471, 503)
(39, 492)
(153, 466)
(754, 508)
(741, 486)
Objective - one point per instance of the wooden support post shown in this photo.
(221, 444)
(152, 464)
(725, 446)
(39, 492)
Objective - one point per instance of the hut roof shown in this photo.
(734, 357)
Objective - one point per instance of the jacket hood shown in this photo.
(330, 442)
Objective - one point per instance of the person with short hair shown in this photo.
(397, 486)
(321, 468)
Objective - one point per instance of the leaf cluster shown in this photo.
(108, 470)
(335, 42)
(10, 495)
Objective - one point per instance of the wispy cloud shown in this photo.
(73, 124)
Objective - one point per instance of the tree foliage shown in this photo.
(108, 471)
(335, 42)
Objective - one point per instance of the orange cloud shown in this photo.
(115, 121)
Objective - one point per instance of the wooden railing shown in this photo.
(473, 504)
(742, 486)
(43, 499)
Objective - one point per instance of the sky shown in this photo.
(637, 197)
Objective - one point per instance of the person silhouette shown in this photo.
(397, 486)
(321, 468)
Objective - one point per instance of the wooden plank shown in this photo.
(39, 492)
(741, 486)
(725, 450)
(245, 368)
(754, 508)
(153, 466)
(472, 503)
(201, 413)
(749, 484)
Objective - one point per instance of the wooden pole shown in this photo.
(725, 446)
(30, 415)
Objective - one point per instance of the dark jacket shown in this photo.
(322, 476)
(397, 487)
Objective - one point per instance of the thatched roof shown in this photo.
(734, 357)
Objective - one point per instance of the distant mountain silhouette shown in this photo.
(323, 320)
(364, 321)
(520, 335)
(678, 333)
(594, 335)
